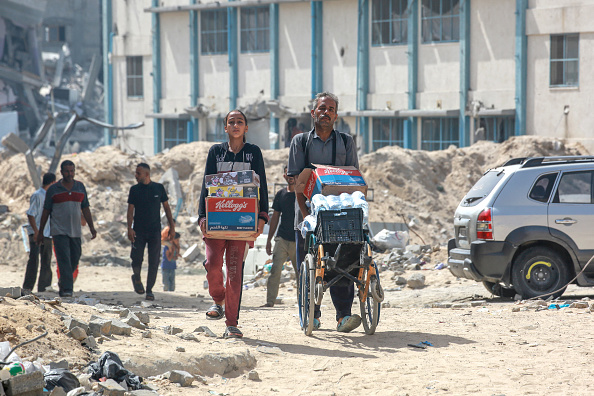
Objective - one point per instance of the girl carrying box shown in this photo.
(233, 155)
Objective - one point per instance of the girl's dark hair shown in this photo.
(236, 110)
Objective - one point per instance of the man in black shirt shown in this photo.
(144, 208)
(284, 243)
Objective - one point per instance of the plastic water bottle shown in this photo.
(360, 202)
(333, 202)
(308, 224)
(319, 203)
(346, 201)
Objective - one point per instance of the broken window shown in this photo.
(255, 29)
(441, 21)
(389, 22)
(387, 132)
(134, 76)
(213, 32)
(55, 34)
(174, 132)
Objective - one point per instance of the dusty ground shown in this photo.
(485, 350)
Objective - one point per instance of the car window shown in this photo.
(541, 191)
(574, 187)
(482, 188)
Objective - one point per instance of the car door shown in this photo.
(571, 212)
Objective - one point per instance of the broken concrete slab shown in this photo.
(12, 292)
(71, 322)
(181, 377)
(111, 388)
(25, 385)
(132, 320)
(172, 330)
(99, 326)
(77, 333)
(120, 328)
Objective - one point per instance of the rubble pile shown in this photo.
(418, 188)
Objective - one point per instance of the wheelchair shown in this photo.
(338, 252)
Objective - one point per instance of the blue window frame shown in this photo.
(496, 129)
(134, 86)
(174, 132)
(389, 22)
(439, 133)
(440, 21)
(565, 60)
(213, 32)
(255, 29)
(387, 132)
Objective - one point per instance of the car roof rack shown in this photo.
(530, 162)
(569, 159)
(515, 161)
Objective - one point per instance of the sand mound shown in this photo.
(416, 187)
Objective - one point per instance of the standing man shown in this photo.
(325, 146)
(65, 201)
(144, 201)
(284, 243)
(35, 250)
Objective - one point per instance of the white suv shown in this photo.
(527, 227)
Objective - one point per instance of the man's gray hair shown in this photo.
(325, 95)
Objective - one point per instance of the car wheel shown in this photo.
(539, 271)
(499, 290)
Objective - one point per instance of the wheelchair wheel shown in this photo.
(370, 307)
(306, 294)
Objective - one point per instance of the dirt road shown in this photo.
(485, 349)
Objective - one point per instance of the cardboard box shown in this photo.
(234, 191)
(231, 218)
(330, 180)
(246, 178)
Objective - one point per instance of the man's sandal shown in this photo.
(215, 312)
(232, 332)
(138, 287)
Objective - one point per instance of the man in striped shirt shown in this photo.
(64, 203)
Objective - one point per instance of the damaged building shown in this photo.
(50, 68)
(420, 74)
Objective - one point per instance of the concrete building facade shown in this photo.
(422, 74)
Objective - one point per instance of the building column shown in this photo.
(156, 30)
(107, 68)
(317, 61)
(193, 132)
(464, 127)
(410, 124)
(233, 56)
(521, 66)
(363, 73)
(274, 69)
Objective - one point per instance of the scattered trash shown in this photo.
(421, 345)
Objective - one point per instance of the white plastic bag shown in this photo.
(386, 240)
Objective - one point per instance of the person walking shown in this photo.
(64, 203)
(144, 226)
(234, 155)
(284, 242)
(171, 252)
(43, 250)
(325, 146)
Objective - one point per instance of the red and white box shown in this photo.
(330, 180)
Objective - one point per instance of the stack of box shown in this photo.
(330, 180)
(232, 206)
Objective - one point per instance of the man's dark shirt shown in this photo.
(284, 202)
(147, 199)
